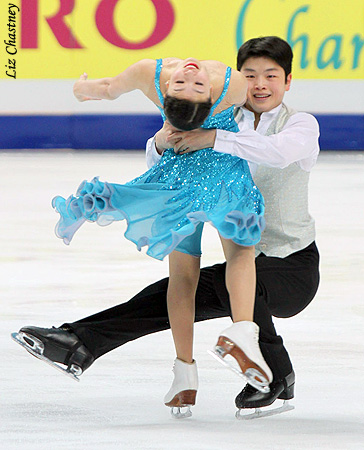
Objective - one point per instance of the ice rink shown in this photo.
(119, 402)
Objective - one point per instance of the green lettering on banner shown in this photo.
(240, 25)
(304, 38)
(330, 52)
(334, 59)
(358, 44)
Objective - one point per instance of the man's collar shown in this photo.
(265, 115)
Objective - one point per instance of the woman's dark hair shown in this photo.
(271, 47)
(185, 114)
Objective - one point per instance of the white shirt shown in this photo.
(297, 142)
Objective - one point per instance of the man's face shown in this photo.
(266, 84)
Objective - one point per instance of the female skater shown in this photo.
(167, 206)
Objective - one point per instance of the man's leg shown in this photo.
(144, 314)
(106, 330)
(76, 345)
(285, 286)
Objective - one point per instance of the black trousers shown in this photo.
(285, 286)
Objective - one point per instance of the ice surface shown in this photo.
(119, 402)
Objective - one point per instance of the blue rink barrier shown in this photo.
(338, 132)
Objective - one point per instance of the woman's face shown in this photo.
(190, 81)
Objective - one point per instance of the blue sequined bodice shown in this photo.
(201, 174)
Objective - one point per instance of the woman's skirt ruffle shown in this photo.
(159, 219)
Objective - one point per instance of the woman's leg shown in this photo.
(184, 271)
(240, 279)
(241, 340)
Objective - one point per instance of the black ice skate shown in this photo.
(250, 398)
(58, 347)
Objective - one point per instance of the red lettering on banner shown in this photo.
(29, 24)
(61, 31)
(106, 27)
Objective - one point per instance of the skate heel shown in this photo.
(181, 403)
(288, 393)
(183, 399)
(249, 368)
(288, 385)
(78, 359)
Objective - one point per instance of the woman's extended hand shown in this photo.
(190, 141)
(78, 88)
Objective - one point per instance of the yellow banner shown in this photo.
(64, 38)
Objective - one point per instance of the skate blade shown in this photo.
(263, 413)
(37, 351)
(248, 377)
(180, 412)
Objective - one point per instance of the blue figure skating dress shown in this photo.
(166, 207)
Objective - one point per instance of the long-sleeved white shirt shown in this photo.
(297, 142)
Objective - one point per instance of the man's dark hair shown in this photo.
(271, 47)
(185, 114)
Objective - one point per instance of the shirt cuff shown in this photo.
(153, 157)
(224, 142)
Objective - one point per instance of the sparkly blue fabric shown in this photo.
(166, 206)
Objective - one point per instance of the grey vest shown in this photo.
(289, 225)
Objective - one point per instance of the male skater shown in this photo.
(282, 147)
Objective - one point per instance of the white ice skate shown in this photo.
(183, 390)
(241, 341)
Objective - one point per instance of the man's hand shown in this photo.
(190, 141)
(166, 137)
(183, 141)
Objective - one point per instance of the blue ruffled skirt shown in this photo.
(165, 205)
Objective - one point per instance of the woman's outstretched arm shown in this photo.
(137, 76)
